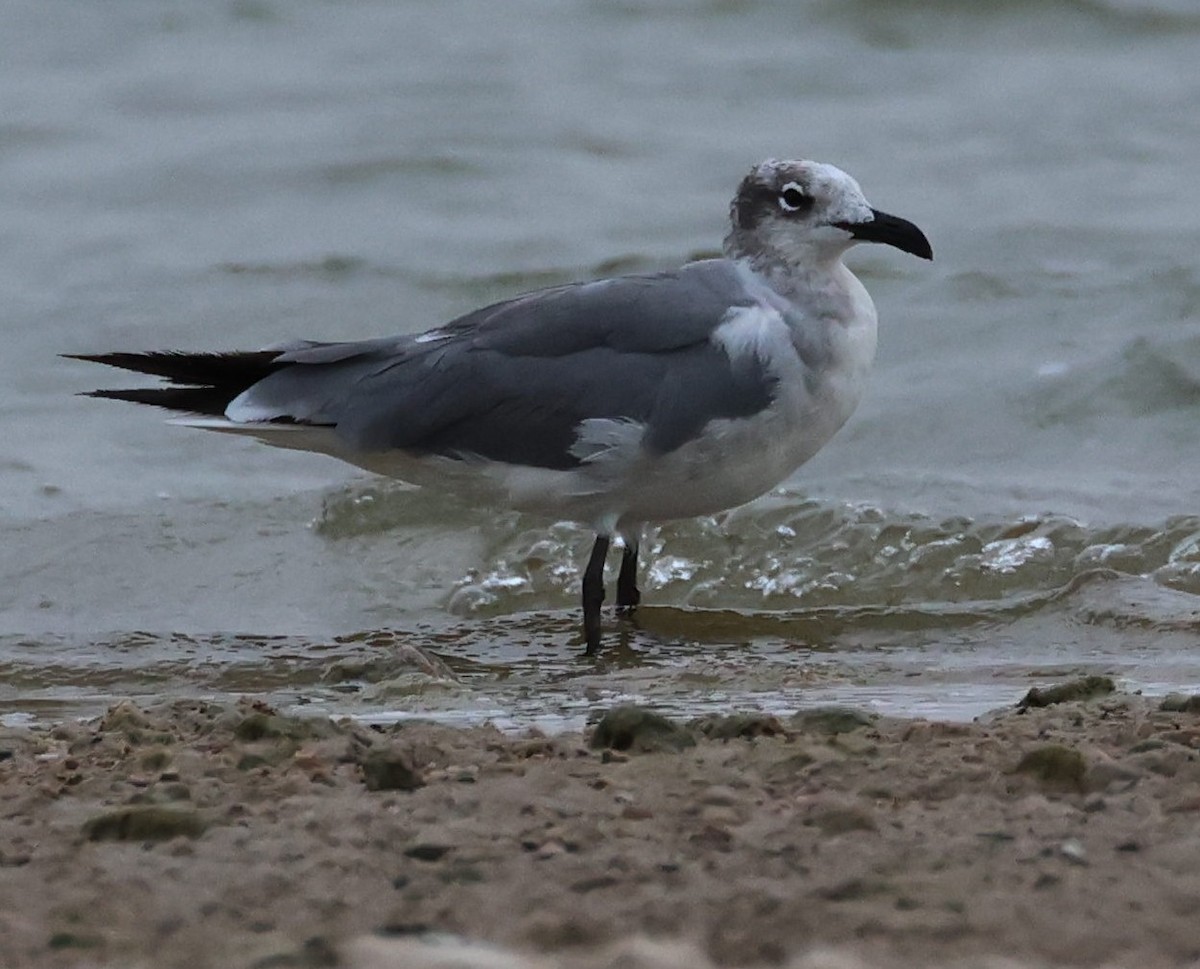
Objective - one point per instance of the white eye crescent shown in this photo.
(793, 198)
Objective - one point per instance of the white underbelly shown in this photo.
(729, 463)
(732, 461)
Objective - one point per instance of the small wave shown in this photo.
(333, 266)
(1147, 15)
(784, 553)
(1147, 376)
(360, 170)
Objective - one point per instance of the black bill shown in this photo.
(892, 231)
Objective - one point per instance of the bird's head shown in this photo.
(805, 213)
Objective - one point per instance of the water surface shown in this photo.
(1015, 499)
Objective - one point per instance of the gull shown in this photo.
(614, 403)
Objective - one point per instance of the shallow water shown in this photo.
(1015, 500)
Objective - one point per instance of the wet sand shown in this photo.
(189, 834)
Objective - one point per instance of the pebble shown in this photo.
(721, 816)
(1112, 777)
(1055, 766)
(632, 728)
(719, 796)
(390, 770)
(1072, 849)
(550, 849)
(144, 824)
(428, 852)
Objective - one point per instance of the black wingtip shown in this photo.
(209, 401)
(124, 360)
(202, 383)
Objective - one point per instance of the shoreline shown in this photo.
(197, 834)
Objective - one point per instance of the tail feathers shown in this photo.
(197, 369)
(207, 382)
(193, 400)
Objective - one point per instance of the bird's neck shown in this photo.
(816, 288)
(788, 265)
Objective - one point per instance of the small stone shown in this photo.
(1112, 777)
(1072, 849)
(719, 796)
(852, 889)
(713, 837)
(397, 928)
(1085, 688)
(790, 767)
(126, 718)
(315, 953)
(1159, 762)
(390, 770)
(592, 884)
(144, 824)
(831, 720)
(71, 940)
(265, 724)
(1180, 703)
(1188, 805)
(1055, 766)
(428, 852)
(636, 729)
(155, 759)
(257, 726)
(836, 819)
(720, 815)
(551, 849)
(308, 761)
(739, 726)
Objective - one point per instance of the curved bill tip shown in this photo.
(890, 230)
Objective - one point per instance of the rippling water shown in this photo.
(1017, 497)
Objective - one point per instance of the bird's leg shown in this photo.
(628, 594)
(593, 594)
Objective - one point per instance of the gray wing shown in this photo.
(512, 382)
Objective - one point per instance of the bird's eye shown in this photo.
(793, 199)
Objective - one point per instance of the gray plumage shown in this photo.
(616, 402)
(512, 382)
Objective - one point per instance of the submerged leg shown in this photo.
(628, 594)
(593, 594)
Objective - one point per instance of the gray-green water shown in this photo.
(1016, 498)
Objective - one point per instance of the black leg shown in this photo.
(628, 595)
(593, 594)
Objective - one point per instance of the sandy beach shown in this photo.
(188, 834)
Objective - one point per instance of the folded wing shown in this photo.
(513, 382)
